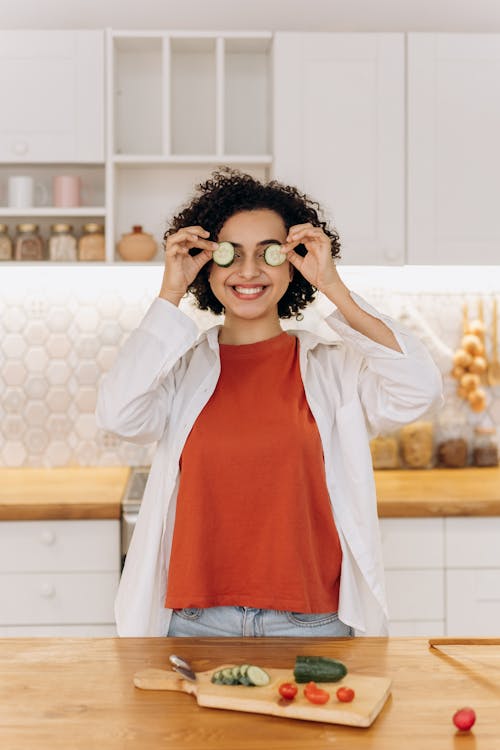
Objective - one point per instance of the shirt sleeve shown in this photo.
(395, 387)
(135, 395)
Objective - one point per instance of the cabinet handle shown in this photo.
(47, 590)
(47, 537)
(21, 147)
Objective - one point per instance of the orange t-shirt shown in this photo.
(254, 525)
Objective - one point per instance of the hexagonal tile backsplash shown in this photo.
(56, 343)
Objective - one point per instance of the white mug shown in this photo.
(21, 192)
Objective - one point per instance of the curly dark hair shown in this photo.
(229, 191)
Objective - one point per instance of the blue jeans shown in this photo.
(249, 621)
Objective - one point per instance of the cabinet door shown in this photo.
(339, 134)
(453, 148)
(52, 85)
(473, 576)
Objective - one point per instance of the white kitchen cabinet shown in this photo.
(339, 134)
(453, 148)
(473, 576)
(442, 575)
(58, 577)
(413, 553)
(52, 85)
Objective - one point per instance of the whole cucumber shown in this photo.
(318, 669)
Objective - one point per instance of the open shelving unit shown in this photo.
(178, 105)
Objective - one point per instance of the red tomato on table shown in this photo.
(464, 719)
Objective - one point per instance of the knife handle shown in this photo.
(163, 679)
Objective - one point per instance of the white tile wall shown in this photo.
(57, 341)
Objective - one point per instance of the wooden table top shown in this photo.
(470, 491)
(77, 694)
(62, 493)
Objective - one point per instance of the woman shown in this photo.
(259, 517)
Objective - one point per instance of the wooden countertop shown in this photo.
(439, 492)
(65, 693)
(96, 492)
(62, 493)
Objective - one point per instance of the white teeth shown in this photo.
(246, 290)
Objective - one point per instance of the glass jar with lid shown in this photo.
(485, 451)
(29, 245)
(62, 243)
(5, 243)
(91, 245)
(452, 438)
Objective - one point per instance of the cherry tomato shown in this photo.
(314, 694)
(464, 719)
(345, 694)
(288, 691)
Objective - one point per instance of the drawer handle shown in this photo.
(47, 590)
(47, 537)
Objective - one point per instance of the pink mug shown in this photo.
(66, 190)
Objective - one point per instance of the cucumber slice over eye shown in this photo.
(224, 255)
(274, 256)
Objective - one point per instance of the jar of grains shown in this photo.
(417, 442)
(485, 451)
(452, 449)
(62, 243)
(29, 245)
(91, 244)
(5, 243)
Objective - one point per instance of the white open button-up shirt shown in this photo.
(163, 377)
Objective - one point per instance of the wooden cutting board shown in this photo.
(371, 694)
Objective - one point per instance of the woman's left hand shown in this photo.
(317, 266)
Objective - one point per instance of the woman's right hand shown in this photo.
(181, 268)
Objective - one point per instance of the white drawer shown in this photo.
(415, 594)
(57, 598)
(473, 602)
(86, 545)
(473, 542)
(412, 542)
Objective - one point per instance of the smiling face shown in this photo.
(250, 289)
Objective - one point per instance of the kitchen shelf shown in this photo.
(179, 159)
(37, 211)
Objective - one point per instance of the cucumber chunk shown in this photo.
(274, 256)
(224, 255)
(257, 676)
(318, 669)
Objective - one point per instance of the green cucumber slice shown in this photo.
(257, 676)
(274, 256)
(224, 255)
(227, 676)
